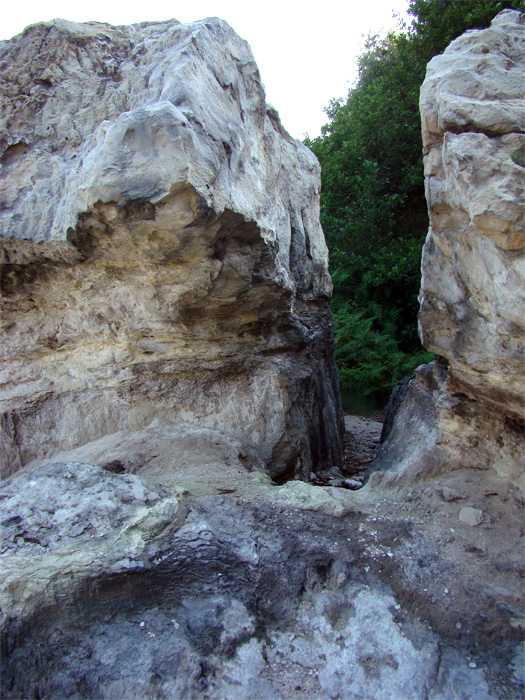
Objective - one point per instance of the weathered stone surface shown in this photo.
(436, 430)
(201, 462)
(65, 524)
(208, 579)
(471, 516)
(162, 256)
(468, 409)
(225, 595)
(476, 85)
(473, 291)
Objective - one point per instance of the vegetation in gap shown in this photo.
(373, 207)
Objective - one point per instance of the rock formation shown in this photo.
(168, 349)
(162, 256)
(467, 409)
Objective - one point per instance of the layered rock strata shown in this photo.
(162, 256)
(467, 409)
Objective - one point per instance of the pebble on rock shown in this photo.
(471, 516)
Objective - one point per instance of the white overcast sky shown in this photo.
(306, 51)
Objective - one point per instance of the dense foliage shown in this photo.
(373, 208)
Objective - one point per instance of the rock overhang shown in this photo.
(177, 108)
(161, 240)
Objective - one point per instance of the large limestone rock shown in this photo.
(162, 256)
(467, 410)
(472, 291)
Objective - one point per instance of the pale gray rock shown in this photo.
(436, 431)
(201, 462)
(162, 252)
(471, 516)
(473, 288)
(66, 524)
(342, 637)
(458, 680)
(476, 85)
(449, 494)
(467, 409)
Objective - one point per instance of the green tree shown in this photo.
(373, 208)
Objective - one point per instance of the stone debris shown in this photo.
(471, 516)
(450, 494)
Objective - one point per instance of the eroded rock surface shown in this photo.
(258, 592)
(66, 524)
(467, 409)
(168, 351)
(162, 256)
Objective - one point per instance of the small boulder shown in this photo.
(471, 516)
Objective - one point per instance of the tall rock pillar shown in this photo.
(467, 409)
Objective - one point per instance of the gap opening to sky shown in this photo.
(306, 52)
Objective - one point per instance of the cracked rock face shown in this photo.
(162, 256)
(468, 409)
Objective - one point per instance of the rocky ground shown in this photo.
(221, 584)
(361, 443)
